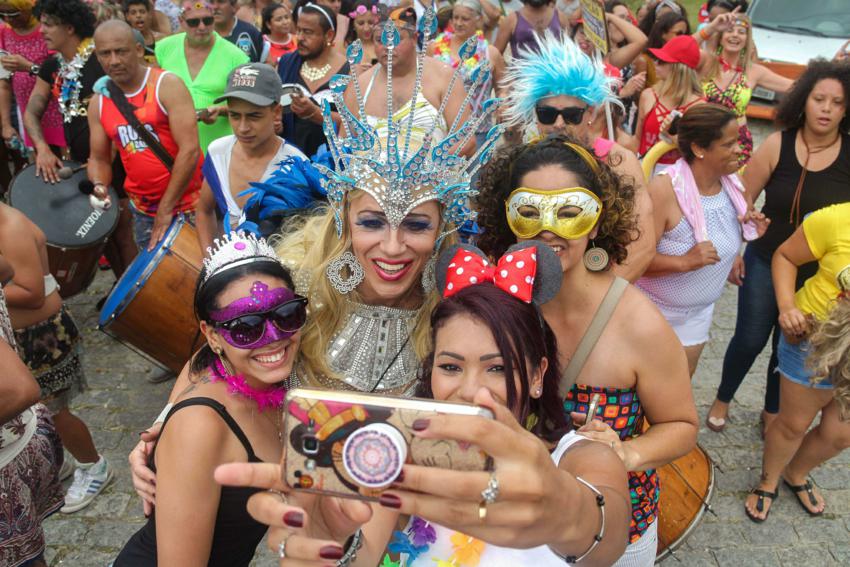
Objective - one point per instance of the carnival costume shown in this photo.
(401, 164)
(556, 67)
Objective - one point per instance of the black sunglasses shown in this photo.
(549, 114)
(247, 330)
(195, 22)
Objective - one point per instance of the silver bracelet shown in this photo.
(600, 501)
(355, 543)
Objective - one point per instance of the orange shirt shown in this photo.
(147, 177)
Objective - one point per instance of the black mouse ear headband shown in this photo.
(529, 271)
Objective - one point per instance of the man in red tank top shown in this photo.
(163, 105)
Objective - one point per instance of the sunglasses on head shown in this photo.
(549, 114)
(195, 22)
(6, 15)
(247, 330)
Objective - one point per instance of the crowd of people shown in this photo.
(461, 203)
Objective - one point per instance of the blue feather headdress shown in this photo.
(556, 67)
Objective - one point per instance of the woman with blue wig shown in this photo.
(557, 89)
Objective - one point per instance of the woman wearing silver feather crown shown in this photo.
(395, 199)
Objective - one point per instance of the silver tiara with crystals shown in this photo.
(236, 249)
(407, 166)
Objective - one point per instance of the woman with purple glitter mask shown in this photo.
(251, 318)
(553, 498)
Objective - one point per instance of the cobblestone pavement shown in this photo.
(120, 403)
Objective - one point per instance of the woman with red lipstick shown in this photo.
(251, 318)
(560, 194)
(801, 169)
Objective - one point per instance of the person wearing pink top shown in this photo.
(24, 50)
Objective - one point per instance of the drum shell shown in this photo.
(73, 268)
(156, 315)
(687, 485)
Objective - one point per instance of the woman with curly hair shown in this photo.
(790, 453)
(801, 169)
(556, 192)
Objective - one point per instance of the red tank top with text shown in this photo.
(147, 177)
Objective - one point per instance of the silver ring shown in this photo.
(280, 494)
(491, 493)
(281, 547)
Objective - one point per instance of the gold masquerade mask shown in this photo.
(570, 213)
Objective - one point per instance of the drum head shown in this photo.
(61, 210)
(136, 274)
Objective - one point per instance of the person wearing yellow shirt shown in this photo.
(790, 452)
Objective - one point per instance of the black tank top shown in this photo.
(236, 534)
(820, 189)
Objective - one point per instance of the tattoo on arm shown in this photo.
(32, 117)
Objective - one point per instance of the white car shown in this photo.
(788, 33)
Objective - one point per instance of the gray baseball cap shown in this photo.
(256, 83)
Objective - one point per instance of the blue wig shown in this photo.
(557, 67)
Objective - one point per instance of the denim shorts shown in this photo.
(792, 364)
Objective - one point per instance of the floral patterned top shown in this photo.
(622, 411)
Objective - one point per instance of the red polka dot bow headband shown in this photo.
(513, 273)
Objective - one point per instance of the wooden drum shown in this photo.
(687, 485)
(151, 307)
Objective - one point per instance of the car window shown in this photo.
(826, 18)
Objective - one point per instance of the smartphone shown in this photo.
(354, 445)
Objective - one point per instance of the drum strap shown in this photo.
(591, 336)
(128, 112)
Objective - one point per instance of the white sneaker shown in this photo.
(68, 466)
(89, 481)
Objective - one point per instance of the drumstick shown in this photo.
(591, 408)
(66, 172)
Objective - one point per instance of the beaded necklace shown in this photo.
(68, 83)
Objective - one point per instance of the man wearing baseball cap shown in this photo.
(251, 154)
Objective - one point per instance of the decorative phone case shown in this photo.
(357, 443)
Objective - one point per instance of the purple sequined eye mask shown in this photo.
(266, 316)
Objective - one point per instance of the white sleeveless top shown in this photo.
(457, 549)
(424, 118)
(697, 288)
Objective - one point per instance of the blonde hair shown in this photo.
(830, 354)
(680, 84)
(712, 67)
(307, 248)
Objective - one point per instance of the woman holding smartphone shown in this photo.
(557, 497)
(251, 318)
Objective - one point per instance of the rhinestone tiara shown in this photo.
(236, 249)
(399, 172)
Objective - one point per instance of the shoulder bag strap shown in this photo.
(591, 336)
(127, 111)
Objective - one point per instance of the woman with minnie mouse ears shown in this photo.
(552, 497)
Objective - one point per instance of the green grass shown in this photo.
(692, 6)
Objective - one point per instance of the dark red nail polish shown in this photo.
(331, 552)
(293, 519)
(420, 424)
(390, 501)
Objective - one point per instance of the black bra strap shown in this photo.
(222, 411)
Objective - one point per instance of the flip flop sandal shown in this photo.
(762, 494)
(807, 488)
(716, 424)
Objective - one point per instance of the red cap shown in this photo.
(681, 49)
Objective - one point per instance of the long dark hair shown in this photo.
(792, 109)
(649, 19)
(267, 15)
(351, 34)
(503, 173)
(206, 298)
(521, 335)
(664, 24)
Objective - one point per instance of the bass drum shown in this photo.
(687, 485)
(151, 307)
(76, 233)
